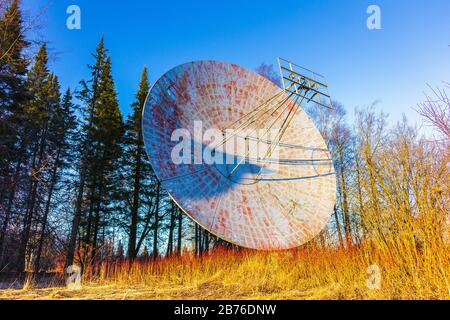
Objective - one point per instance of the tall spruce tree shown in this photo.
(63, 123)
(88, 95)
(13, 68)
(40, 86)
(138, 171)
(99, 151)
(108, 135)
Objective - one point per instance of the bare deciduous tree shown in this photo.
(436, 110)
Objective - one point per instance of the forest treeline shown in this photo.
(76, 185)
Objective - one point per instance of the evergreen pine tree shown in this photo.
(88, 95)
(62, 125)
(13, 68)
(107, 138)
(40, 86)
(99, 152)
(138, 168)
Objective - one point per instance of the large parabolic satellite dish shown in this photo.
(280, 196)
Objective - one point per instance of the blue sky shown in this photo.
(392, 65)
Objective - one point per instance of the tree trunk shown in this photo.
(87, 236)
(206, 246)
(360, 200)
(347, 226)
(9, 209)
(180, 229)
(146, 230)
(156, 225)
(338, 227)
(196, 249)
(171, 228)
(134, 210)
(47, 209)
(36, 173)
(76, 218)
(97, 222)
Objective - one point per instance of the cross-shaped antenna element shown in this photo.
(306, 84)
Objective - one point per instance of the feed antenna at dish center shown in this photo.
(239, 155)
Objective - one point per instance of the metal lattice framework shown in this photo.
(275, 199)
(305, 83)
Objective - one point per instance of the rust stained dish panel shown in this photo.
(282, 209)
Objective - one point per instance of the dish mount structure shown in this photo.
(304, 83)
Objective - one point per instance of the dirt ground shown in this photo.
(204, 291)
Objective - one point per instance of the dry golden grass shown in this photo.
(400, 206)
(307, 273)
